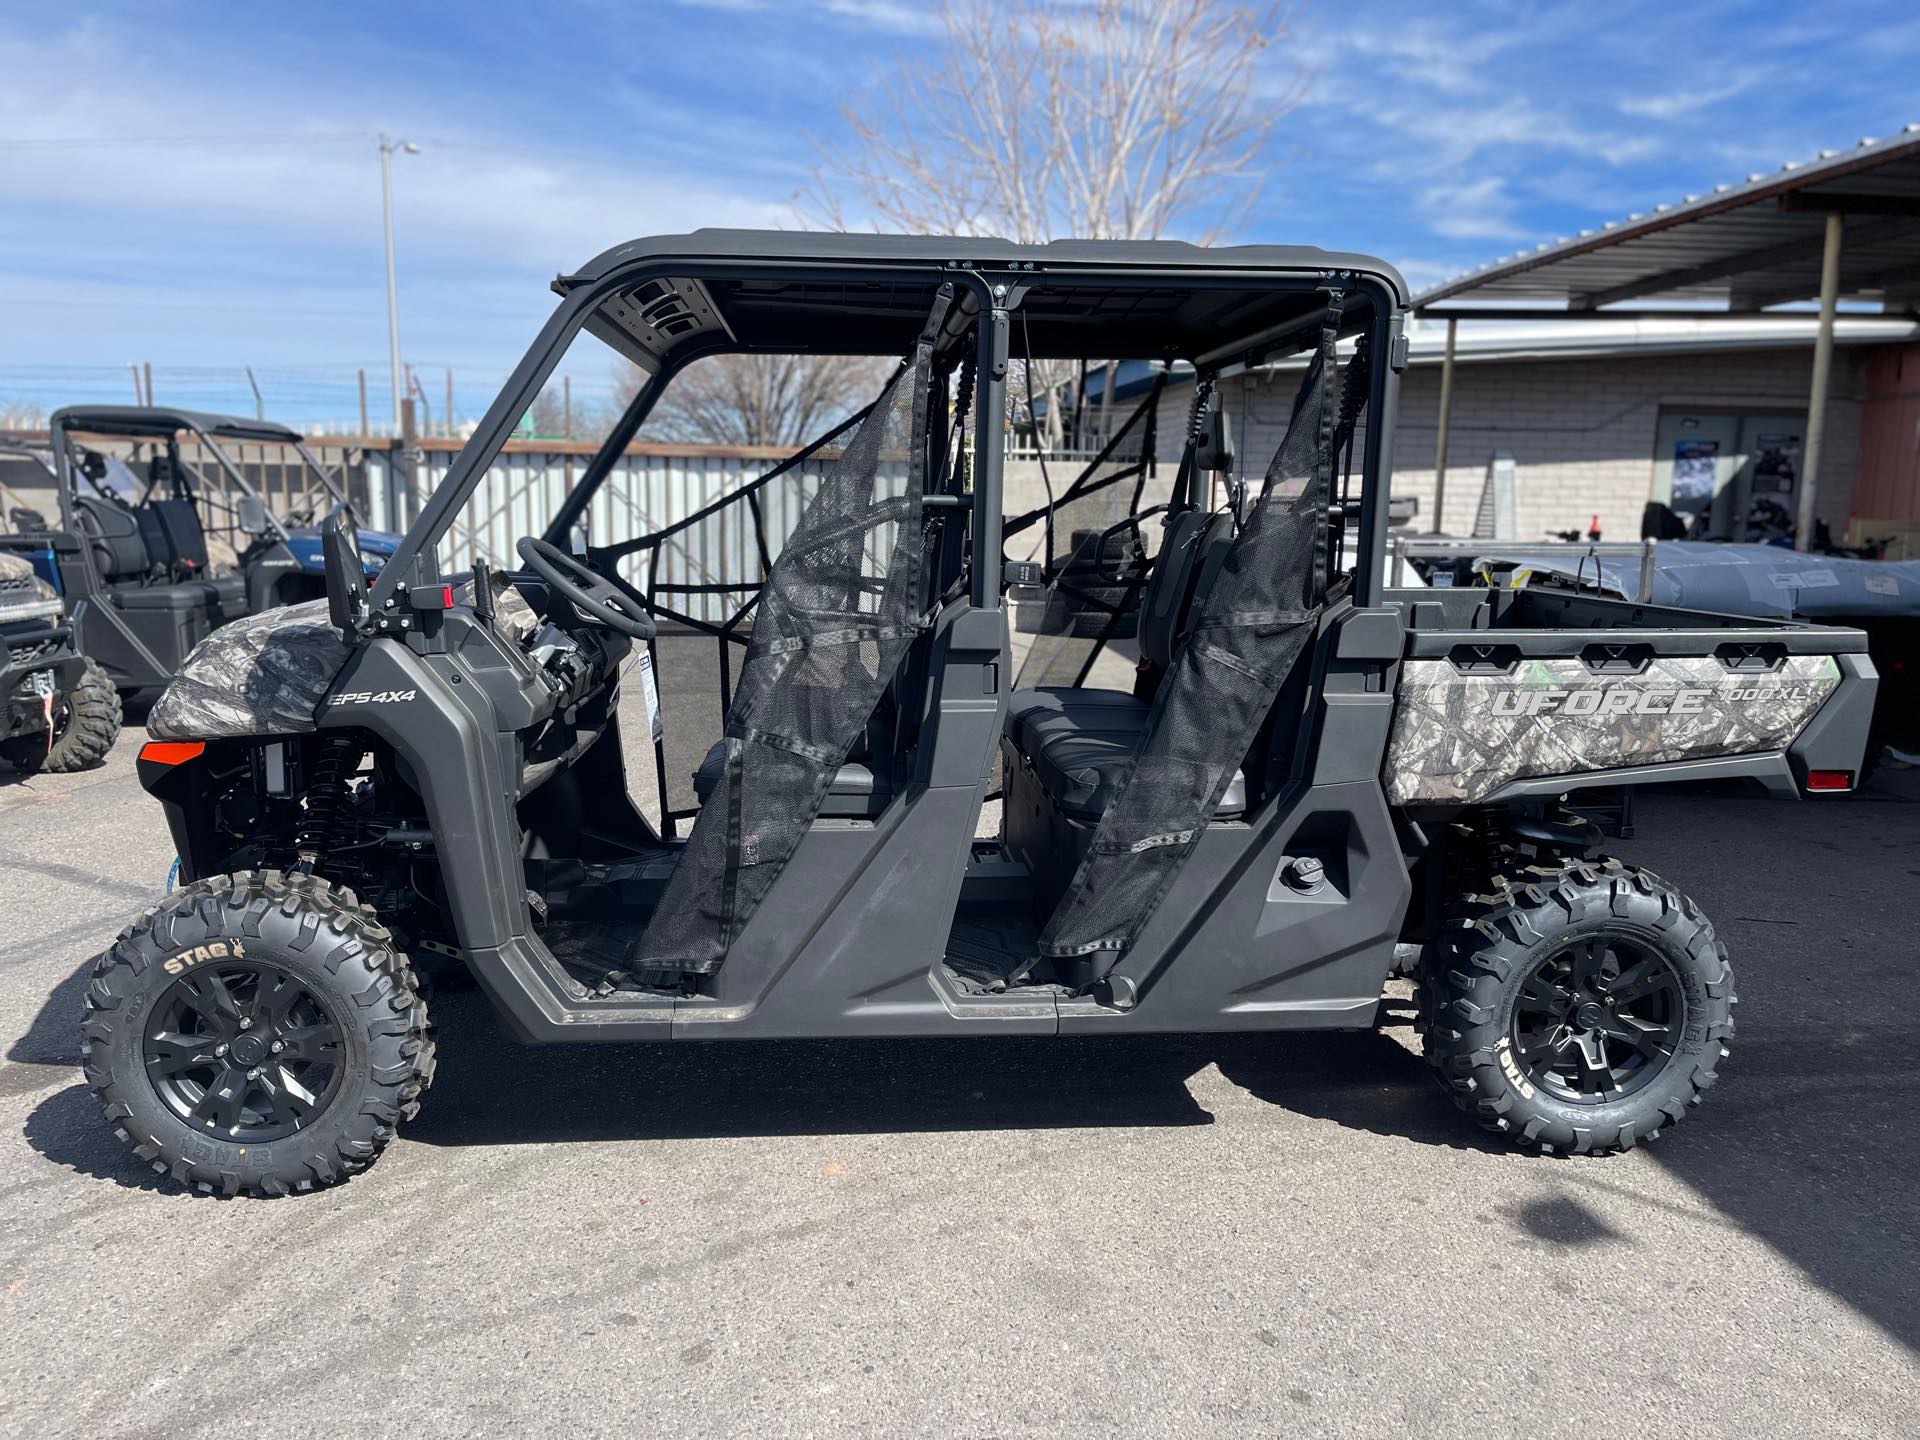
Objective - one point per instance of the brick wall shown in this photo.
(1580, 429)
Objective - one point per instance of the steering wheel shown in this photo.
(597, 599)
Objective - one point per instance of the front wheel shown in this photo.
(256, 1032)
(86, 722)
(1580, 1007)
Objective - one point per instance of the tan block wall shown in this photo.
(1581, 430)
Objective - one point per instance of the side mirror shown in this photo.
(250, 514)
(346, 579)
(1215, 450)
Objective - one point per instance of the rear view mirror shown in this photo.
(346, 579)
(1215, 449)
(250, 514)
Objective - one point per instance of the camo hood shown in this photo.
(267, 674)
(24, 596)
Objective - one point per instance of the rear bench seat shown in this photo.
(1076, 742)
(1065, 750)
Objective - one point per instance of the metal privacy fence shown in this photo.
(649, 489)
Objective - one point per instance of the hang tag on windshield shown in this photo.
(652, 694)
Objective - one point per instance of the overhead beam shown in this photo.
(1446, 311)
(1768, 257)
(1817, 202)
(1894, 278)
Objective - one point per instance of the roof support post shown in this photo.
(1445, 428)
(989, 448)
(1822, 375)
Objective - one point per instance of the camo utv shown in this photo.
(1293, 776)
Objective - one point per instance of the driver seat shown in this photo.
(861, 788)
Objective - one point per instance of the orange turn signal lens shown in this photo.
(172, 752)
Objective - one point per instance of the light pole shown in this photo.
(387, 147)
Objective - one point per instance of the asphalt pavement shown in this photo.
(1188, 1236)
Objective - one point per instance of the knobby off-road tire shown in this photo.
(257, 1032)
(1581, 1007)
(85, 725)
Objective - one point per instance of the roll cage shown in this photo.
(666, 302)
(164, 426)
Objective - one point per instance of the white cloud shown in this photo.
(293, 161)
(891, 16)
(1440, 57)
(1470, 210)
(1677, 103)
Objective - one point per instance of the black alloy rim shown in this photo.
(244, 1050)
(1598, 1019)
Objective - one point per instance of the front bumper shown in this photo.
(32, 650)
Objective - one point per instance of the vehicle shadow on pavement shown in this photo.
(67, 1129)
(54, 1036)
(1808, 1140)
(66, 1126)
(491, 1091)
(1811, 1148)
(1359, 1079)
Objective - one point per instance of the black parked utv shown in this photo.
(1308, 771)
(130, 547)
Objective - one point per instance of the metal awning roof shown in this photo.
(1739, 250)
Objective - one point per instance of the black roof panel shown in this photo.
(156, 421)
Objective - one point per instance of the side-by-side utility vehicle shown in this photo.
(1299, 773)
(154, 553)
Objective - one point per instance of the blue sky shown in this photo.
(197, 186)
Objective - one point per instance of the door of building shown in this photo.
(1729, 475)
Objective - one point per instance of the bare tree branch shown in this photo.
(1094, 119)
(1101, 119)
(752, 399)
(547, 416)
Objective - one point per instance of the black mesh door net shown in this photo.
(1221, 685)
(836, 614)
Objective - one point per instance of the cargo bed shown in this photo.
(1509, 694)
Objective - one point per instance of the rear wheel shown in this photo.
(257, 1032)
(1581, 1007)
(86, 722)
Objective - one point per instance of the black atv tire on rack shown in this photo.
(1582, 1006)
(85, 725)
(257, 1032)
